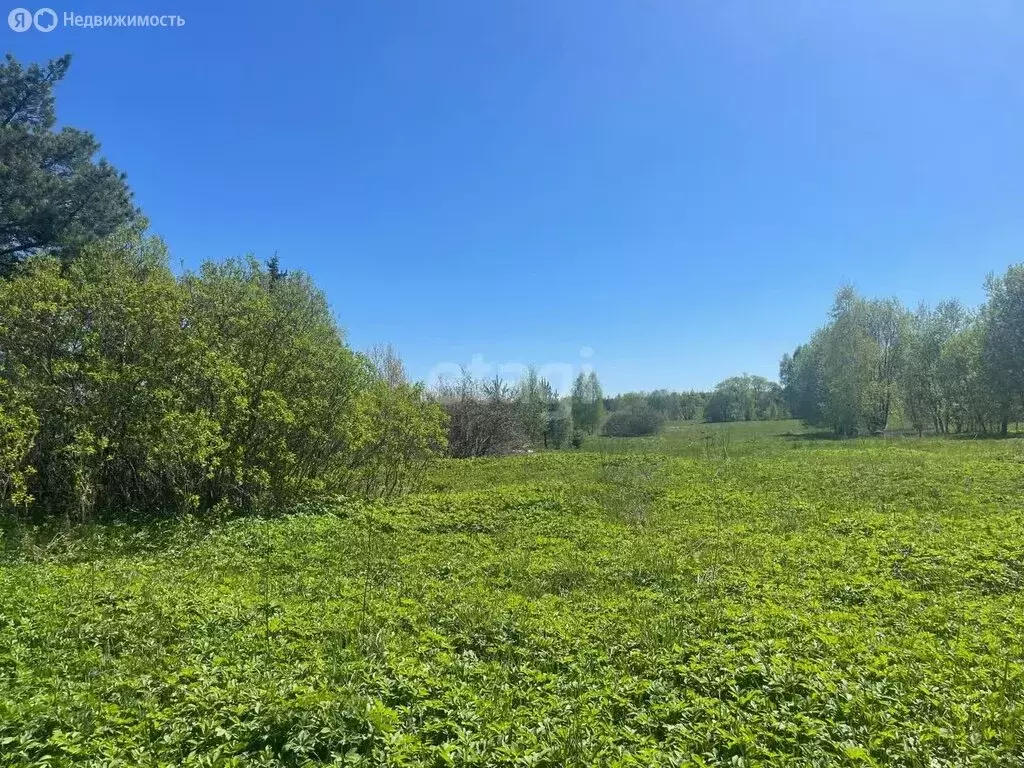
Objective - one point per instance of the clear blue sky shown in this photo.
(678, 185)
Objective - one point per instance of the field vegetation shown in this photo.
(736, 598)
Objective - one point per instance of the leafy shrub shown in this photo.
(635, 421)
(18, 425)
(404, 431)
(227, 388)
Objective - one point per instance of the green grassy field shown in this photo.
(700, 440)
(733, 595)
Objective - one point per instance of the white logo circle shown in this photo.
(20, 19)
(44, 22)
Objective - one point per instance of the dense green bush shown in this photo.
(635, 421)
(18, 425)
(128, 391)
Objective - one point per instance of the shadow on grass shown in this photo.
(54, 542)
(983, 436)
(826, 435)
(819, 435)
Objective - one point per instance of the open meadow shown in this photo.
(746, 594)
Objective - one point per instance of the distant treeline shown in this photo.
(943, 369)
(738, 398)
(494, 417)
(673, 406)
